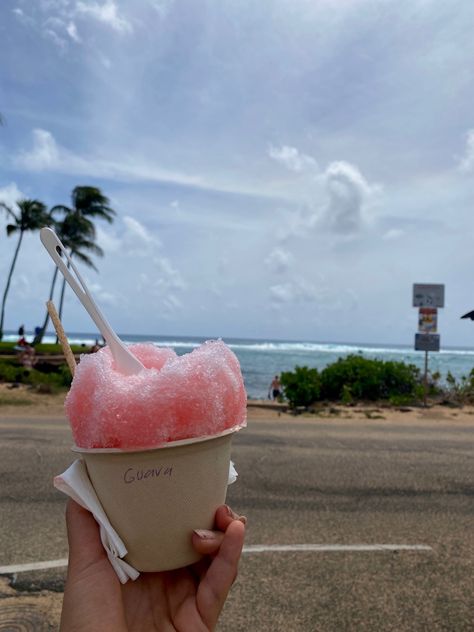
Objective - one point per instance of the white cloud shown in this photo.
(296, 291)
(349, 198)
(48, 155)
(393, 233)
(292, 158)
(107, 13)
(10, 194)
(44, 154)
(59, 41)
(467, 162)
(279, 260)
(137, 234)
(72, 32)
(162, 7)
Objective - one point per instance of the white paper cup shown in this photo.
(155, 498)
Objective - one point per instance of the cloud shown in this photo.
(107, 13)
(393, 233)
(292, 158)
(47, 154)
(162, 7)
(349, 198)
(295, 291)
(72, 32)
(466, 164)
(279, 260)
(10, 194)
(44, 154)
(137, 235)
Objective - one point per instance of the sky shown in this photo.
(284, 169)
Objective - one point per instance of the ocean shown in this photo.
(262, 359)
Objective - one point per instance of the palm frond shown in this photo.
(8, 210)
(85, 259)
(60, 208)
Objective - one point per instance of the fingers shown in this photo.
(221, 574)
(208, 542)
(85, 546)
(225, 515)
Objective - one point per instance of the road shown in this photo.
(303, 481)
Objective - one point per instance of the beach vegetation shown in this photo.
(352, 379)
(55, 377)
(29, 215)
(362, 379)
(301, 386)
(460, 391)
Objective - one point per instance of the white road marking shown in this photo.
(33, 566)
(263, 548)
(251, 548)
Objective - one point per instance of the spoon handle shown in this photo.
(126, 362)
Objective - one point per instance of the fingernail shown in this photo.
(204, 534)
(235, 516)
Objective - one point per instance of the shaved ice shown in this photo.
(174, 397)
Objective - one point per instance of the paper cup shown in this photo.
(155, 498)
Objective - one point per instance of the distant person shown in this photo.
(21, 337)
(274, 391)
(28, 357)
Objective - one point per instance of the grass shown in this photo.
(14, 401)
(8, 348)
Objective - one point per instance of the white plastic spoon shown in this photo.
(125, 361)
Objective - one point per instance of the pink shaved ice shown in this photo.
(174, 397)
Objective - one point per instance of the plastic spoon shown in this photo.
(125, 361)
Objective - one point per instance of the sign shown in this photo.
(426, 342)
(428, 295)
(427, 320)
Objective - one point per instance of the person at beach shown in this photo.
(184, 599)
(21, 337)
(274, 391)
(28, 357)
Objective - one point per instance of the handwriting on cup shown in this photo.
(133, 475)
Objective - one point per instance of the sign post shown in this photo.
(427, 297)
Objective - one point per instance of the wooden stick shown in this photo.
(68, 354)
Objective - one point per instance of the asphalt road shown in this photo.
(302, 481)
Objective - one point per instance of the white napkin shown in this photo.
(75, 482)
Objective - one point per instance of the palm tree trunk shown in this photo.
(7, 287)
(63, 289)
(39, 337)
(61, 299)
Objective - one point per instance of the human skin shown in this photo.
(188, 599)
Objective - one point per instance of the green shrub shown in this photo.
(301, 387)
(365, 379)
(12, 371)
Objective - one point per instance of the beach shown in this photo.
(349, 474)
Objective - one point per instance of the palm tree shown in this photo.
(77, 235)
(77, 232)
(30, 215)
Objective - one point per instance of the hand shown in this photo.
(186, 600)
